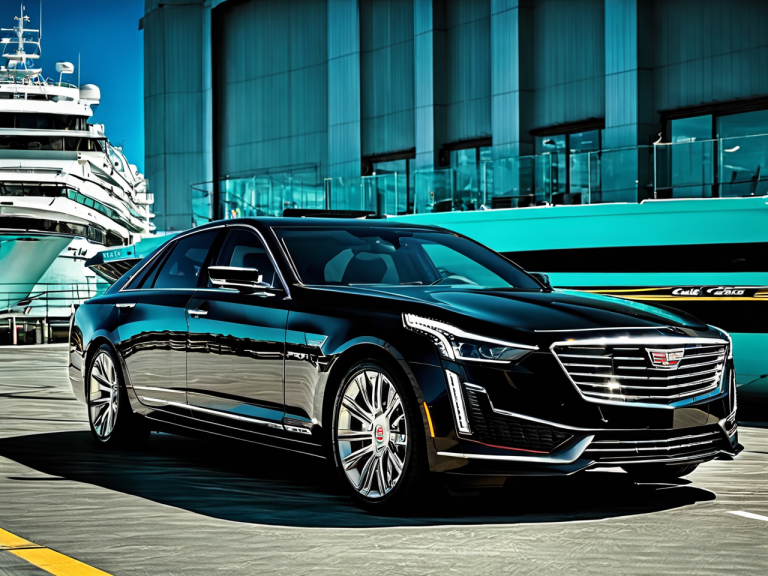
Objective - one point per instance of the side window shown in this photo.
(243, 249)
(182, 267)
(145, 278)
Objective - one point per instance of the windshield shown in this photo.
(383, 256)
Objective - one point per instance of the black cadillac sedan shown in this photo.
(397, 351)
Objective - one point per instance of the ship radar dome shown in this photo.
(90, 93)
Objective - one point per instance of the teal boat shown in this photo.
(706, 256)
(112, 263)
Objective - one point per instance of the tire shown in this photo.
(659, 472)
(378, 440)
(113, 422)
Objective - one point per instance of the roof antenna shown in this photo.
(78, 69)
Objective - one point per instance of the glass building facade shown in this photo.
(401, 106)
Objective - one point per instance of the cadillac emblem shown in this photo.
(669, 359)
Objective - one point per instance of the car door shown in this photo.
(153, 322)
(236, 348)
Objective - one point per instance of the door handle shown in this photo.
(125, 306)
(196, 312)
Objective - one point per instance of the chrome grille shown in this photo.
(625, 373)
(617, 448)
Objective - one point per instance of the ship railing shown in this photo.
(40, 314)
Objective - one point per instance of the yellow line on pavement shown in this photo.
(45, 558)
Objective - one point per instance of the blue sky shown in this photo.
(106, 34)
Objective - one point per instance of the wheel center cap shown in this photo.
(381, 432)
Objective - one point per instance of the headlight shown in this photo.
(727, 337)
(455, 344)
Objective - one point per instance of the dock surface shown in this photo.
(186, 506)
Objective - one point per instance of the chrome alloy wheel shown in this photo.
(104, 396)
(372, 434)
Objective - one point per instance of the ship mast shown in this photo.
(17, 60)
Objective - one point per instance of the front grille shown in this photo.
(495, 429)
(633, 447)
(625, 372)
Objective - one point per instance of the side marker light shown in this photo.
(429, 420)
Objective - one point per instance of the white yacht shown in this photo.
(65, 192)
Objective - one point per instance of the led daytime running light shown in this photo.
(457, 403)
(454, 342)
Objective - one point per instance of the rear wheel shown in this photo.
(378, 448)
(109, 412)
(659, 472)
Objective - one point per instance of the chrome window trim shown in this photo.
(202, 231)
(641, 343)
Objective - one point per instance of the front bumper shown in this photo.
(502, 441)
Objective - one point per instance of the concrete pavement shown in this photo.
(184, 506)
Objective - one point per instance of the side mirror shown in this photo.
(242, 279)
(542, 278)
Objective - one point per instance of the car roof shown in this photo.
(315, 222)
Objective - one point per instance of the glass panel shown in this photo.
(263, 195)
(625, 174)
(390, 192)
(389, 185)
(433, 191)
(743, 153)
(202, 205)
(685, 169)
(746, 124)
(351, 194)
(585, 177)
(554, 178)
(742, 166)
(466, 179)
(182, 268)
(691, 129)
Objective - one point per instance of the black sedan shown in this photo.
(397, 351)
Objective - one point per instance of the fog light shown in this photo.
(457, 403)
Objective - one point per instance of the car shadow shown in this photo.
(265, 486)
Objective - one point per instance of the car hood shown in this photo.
(529, 311)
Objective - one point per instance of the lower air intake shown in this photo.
(495, 429)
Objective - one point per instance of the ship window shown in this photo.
(26, 121)
(6, 120)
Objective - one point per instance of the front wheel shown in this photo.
(378, 445)
(112, 421)
(659, 472)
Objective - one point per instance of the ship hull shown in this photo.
(24, 260)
